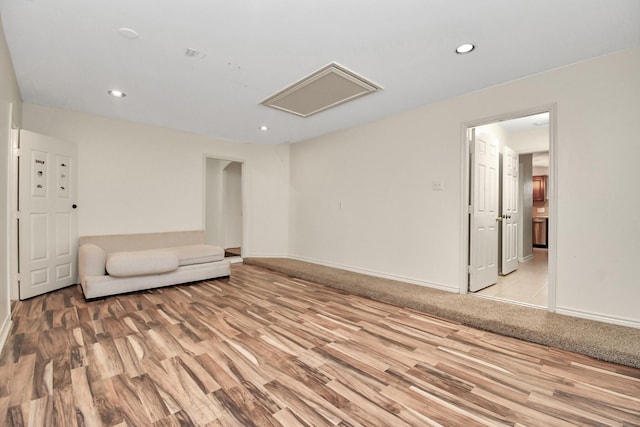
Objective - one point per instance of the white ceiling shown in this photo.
(526, 123)
(69, 54)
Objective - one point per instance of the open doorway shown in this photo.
(510, 209)
(223, 206)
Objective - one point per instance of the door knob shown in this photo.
(499, 218)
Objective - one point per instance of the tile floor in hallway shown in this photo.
(527, 285)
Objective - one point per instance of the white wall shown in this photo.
(540, 170)
(213, 202)
(139, 178)
(525, 204)
(10, 116)
(362, 197)
(233, 205)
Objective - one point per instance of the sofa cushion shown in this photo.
(139, 263)
(197, 254)
(93, 260)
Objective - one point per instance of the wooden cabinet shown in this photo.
(539, 188)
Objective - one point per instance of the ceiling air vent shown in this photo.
(329, 86)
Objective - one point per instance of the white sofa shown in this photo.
(119, 263)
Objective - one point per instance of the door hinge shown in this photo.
(468, 269)
(469, 209)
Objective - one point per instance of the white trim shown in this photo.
(621, 321)
(263, 255)
(7, 282)
(5, 329)
(464, 218)
(553, 208)
(525, 259)
(14, 289)
(373, 273)
(465, 191)
(244, 171)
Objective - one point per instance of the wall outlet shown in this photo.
(437, 185)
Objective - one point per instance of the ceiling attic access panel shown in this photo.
(327, 87)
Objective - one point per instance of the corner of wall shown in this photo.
(11, 106)
(4, 330)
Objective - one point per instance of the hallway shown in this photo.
(527, 285)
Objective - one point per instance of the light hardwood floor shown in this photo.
(264, 349)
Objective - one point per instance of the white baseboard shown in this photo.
(259, 255)
(4, 330)
(526, 258)
(379, 274)
(599, 317)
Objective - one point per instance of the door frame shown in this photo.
(14, 259)
(552, 188)
(243, 188)
(229, 193)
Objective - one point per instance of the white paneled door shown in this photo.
(510, 214)
(46, 214)
(484, 217)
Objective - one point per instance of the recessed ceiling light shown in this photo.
(128, 33)
(117, 93)
(465, 48)
(264, 128)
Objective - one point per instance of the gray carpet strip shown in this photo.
(612, 343)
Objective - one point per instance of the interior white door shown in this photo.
(483, 270)
(46, 214)
(510, 214)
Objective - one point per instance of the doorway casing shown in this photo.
(552, 189)
(244, 232)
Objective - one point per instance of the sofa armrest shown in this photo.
(92, 261)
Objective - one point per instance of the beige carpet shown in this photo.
(612, 343)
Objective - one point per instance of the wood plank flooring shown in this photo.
(263, 349)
